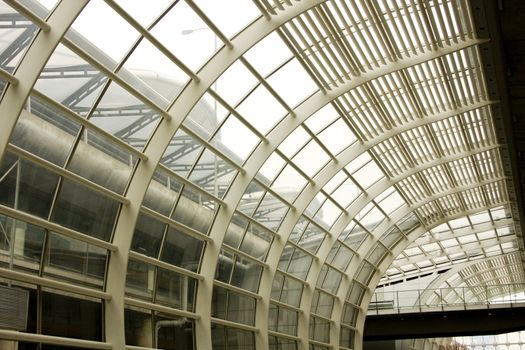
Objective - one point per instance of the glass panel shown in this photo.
(181, 30)
(293, 91)
(319, 329)
(113, 35)
(213, 174)
(256, 242)
(85, 210)
(21, 244)
(143, 12)
(229, 25)
(148, 235)
(66, 316)
(16, 33)
(287, 290)
(74, 260)
(153, 74)
(246, 274)
(282, 343)
(70, 81)
(97, 159)
(195, 210)
(263, 119)
(26, 186)
(181, 153)
(138, 326)
(340, 256)
(124, 116)
(241, 308)
(235, 140)
(34, 129)
(322, 304)
(162, 193)
(139, 279)
(182, 250)
(173, 333)
(175, 290)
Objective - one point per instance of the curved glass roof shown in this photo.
(244, 174)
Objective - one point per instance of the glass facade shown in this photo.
(199, 174)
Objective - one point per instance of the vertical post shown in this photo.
(464, 299)
(397, 298)
(13, 228)
(419, 299)
(441, 299)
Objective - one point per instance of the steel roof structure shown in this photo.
(244, 174)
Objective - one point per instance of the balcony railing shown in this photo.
(447, 299)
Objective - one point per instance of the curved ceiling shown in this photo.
(256, 168)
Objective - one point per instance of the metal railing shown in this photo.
(447, 299)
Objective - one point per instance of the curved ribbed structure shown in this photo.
(198, 174)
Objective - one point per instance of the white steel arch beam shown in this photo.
(125, 223)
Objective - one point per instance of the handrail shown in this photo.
(447, 299)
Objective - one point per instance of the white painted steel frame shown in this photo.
(33, 63)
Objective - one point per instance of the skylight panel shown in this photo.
(235, 83)
(181, 30)
(273, 166)
(467, 239)
(459, 223)
(221, 13)
(292, 83)
(235, 138)
(104, 115)
(337, 137)
(322, 118)
(161, 79)
(294, 142)
(392, 203)
(311, 158)
(346, 193)
(271, 212)
(112, 35)
(372, 217)
(327, 215)
(368, 175)
(264, 63)
(336, 181)
(262, 119)
(315, 204)
(142, 11)
(499, 213)
(430, 248)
